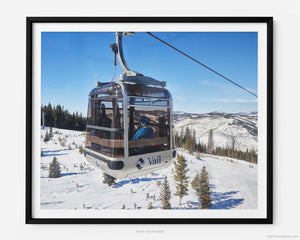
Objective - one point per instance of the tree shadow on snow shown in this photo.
(47, 203)
(201, 159)
(225, 200)
(71, 173)
(187, 205)
(53, 153)
(65, 174)
(222, 201)
(135, 181)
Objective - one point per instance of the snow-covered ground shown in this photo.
(233, 182)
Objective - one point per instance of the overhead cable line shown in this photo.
(200, 63)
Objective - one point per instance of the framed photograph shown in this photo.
(149, 120)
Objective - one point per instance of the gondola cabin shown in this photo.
(129, 127)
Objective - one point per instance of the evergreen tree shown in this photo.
(81, 167)
(54, 169)
(210, 144)
(80, 149)
(46, 138)
(50, 133)
(194, 141)
(165, 194)
(181, 177)
(109, 180)
(188, 140)
(150, 206)
(205, 192)
(56, 116)
(196, 185)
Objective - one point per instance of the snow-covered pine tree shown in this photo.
(50, 133)
(196, 186)
(165, 194)
(150, 206)
(80, 149)
(205, 192)
(210, 144)
(196, 182)
(109, 180)
(46, 138)
(81, 167)
(194, 141)
(54, 169)
(181, 177)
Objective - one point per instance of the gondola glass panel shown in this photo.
(160, 125)
(105, 125)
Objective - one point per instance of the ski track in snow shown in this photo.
(233, 182)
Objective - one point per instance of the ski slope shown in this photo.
(233, 182)
(241, 126)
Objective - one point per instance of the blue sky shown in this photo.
(73, 61)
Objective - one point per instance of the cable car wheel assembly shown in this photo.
(129, 123)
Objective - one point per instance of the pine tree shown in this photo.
(188, 140)
(81, 167)
(205, 192)
(46, 138)
(109, 180)
(196, 185)
(50, 133)
(210, 144)
(150, 206)
(54, 169)
(194, 141)
(80, 149)
(181, 177)
(165, 194)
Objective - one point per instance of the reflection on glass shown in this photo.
(151, 135)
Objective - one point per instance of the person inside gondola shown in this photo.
(105, 121)
(162, 127)
(144, 131)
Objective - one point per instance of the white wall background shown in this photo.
(286, 115)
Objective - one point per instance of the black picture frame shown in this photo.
(29, 120)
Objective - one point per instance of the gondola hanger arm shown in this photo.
(117, 48)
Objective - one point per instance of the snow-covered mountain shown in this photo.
(233, 182)
(241, 126)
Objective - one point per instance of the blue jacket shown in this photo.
(144, 132)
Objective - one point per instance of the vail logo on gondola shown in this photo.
(154, 160)
(140, 164)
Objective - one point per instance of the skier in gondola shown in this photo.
(145, 131)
